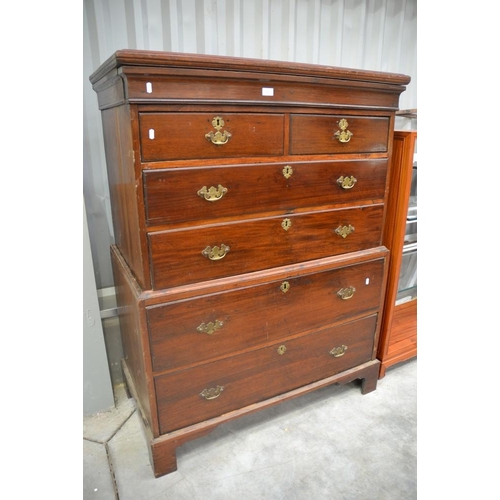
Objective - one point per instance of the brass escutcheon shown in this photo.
(210, 328)
(343, 135)
(344, 230)
(212, 393)
(346, 293)
(212, 193)
(286, 224)
(347, 182)
(287, 171)
(281, 349)
(219, 138)
(336, 352)
(285, 286)
(216, 253)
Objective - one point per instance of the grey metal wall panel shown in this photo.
(97, 388)
(364, 34)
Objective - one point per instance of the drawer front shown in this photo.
(203, 329)
(224, 90)
(190, 396)
(209, 252)
(176, 136)
(199, 194)
(323, 134)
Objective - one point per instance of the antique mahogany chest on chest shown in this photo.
(248, 202)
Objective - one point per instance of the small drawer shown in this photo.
(329, 134)
(190, 396)
(183, 256)
(177, 136)
(206, 328)
(180, 195)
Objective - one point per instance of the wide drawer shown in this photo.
(208, 252)
(204, 88)
(322, 134)
(198, 194)
(205, 328)
(176, 136)
(190, 396)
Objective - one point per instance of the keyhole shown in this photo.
(286, 224)
(285, 286)
(287, 171)
(218, 122)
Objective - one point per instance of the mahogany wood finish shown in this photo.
(126, 206)
(216, 87)
(314, 134)
(179, 136)
(260, 374)
(403, 344)
(137, 358)
(163, 449)
(398, 340)
(260, 244)
(292, 305)
(258, 315)
(307, 185)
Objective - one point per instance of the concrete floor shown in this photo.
(334, 444)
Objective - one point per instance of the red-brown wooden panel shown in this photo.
(202, 329)
(171, 195)
(260, 374)
(260, 244)
(178, 136)
(315, 134)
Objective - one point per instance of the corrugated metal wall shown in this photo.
(373, 34)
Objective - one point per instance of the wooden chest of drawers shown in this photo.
(248, 204)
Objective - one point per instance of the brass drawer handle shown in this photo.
(216, 253)
(219, 138)
(212, 393)
(281, 349)
(336, 352)
(210, 328)
(212, 193)
(347, 182)
(346, 293)
(344, 231)
(343, 135)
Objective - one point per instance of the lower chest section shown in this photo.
(216, 352)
